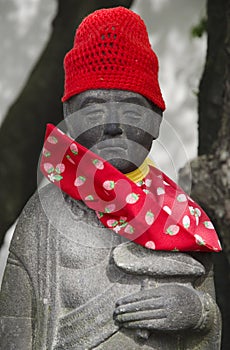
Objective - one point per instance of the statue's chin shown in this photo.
(123, 165)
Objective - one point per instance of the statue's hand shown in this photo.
(170, 307)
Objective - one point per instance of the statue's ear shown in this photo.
(154, 123)
(156, 109)
(157, 117)
(71, 105)
(66, 109)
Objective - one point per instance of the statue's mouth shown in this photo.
(109, 153)
(113, 152)
(113, 144)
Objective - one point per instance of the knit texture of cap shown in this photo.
(112, 51)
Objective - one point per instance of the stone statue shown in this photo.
(70, 282)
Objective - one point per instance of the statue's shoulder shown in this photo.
(46, 201)
(35, 205)
(33, 219)
(51, 199)
(49, 206)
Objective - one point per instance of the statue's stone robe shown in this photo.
(65, 273)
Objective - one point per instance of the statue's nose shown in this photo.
(112, 122)
(112, 129)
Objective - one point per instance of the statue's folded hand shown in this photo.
(169, 307)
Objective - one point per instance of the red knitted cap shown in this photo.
(112, 51)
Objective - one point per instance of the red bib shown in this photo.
(154, 212)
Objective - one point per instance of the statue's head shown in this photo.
(112, 100)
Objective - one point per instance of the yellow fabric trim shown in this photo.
(141, 172)
(150, 162)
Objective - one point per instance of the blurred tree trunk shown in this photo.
(211, 170)
(22, 132)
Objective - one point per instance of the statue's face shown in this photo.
(117, 125)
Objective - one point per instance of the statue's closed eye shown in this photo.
(133, 115)
(93, 114)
